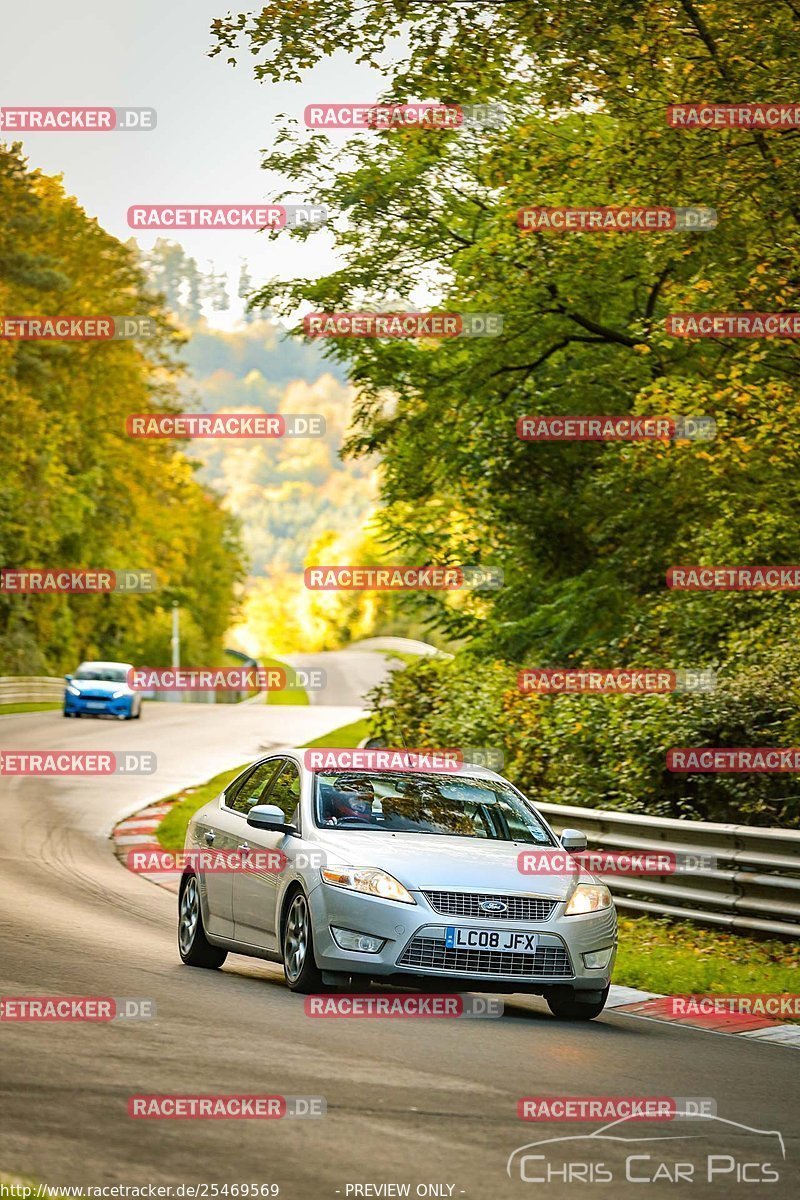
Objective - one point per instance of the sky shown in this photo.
(213, 120)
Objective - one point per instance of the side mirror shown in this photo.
(68, 678)
(269, 816)
(573, 839)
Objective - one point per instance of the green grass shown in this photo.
(665, 956)
(32, 706)
(171, 833)
(288, 695)
(345, 737)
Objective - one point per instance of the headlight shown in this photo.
(73, 691)
(369, 880)
(121, 692)
(587, 898)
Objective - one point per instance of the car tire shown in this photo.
(193, 946)
(567, 1007)
(297, 946)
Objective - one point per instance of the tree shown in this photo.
(585, 532)
(75, 490)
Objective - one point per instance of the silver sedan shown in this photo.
(401, 876)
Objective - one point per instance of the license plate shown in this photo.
(467, 937)
(95, 703)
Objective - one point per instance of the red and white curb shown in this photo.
(656, 1007)
(138, 832)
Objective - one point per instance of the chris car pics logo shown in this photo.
(695, 1147)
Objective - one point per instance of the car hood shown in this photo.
(102, 687)
(421, 861)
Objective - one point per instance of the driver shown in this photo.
(352, 800)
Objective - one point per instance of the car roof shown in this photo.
(93, 663)
(466, 769)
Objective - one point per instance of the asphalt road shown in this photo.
(349, 674)
(418, 1102)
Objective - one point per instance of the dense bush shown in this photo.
(605, 751)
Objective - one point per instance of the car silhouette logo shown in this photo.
(494, 906)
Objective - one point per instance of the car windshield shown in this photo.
(400, 802)
(109, 674)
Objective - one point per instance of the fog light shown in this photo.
(598, 958)
(348, 939)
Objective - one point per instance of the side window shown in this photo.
(285, 792)
(249, 792)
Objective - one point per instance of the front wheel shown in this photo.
(567, 1007)
(193, 945)
(299, 965)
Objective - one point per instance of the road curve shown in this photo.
(409, 1101)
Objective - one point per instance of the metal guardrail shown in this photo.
(755, 884)
(30, 689)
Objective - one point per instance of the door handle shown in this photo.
(245, 849)
(210, 837)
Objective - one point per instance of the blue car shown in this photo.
(100, 689)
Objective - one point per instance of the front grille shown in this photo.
(425, 953)
(468, 904)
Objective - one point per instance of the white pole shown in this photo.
(176, 635)
(176, 645)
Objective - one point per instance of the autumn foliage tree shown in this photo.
(75, 491)
(585, 532)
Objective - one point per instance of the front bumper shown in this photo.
(97, 706)
(415, 944)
